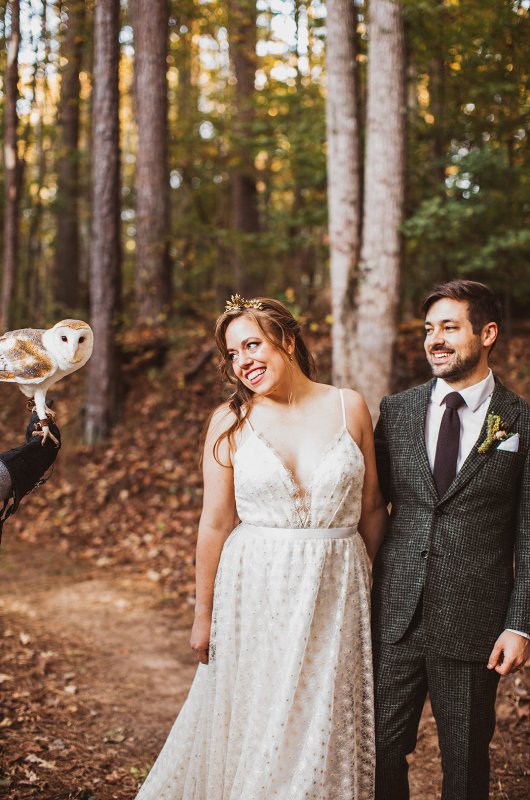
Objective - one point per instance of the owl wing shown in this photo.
(23, 357)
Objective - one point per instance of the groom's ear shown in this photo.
(489, 334)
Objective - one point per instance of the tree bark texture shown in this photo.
(245, 217)
(104, 382)
(152, 272)
(32, 294)
(344, 194)
(12, 170)
(67, 252)
(378, 288)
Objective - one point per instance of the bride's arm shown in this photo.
(374, 514)
(217, 520)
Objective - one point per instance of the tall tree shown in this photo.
(67, 255)
(32, 294)
(152, 272)
(384, 181)
(365, 268)
(245, 219)
(104, 383)
(12, 169)
(344, 188)
(185, 118)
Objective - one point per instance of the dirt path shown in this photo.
(131, 665)
(132, 641)
(127, 668)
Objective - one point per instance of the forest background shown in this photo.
(160, 156)
(157, 157)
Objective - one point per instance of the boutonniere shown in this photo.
(497, 432)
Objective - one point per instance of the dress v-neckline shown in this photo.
(301, 497)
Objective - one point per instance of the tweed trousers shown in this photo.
(462, 696)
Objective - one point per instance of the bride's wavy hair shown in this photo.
(281, 329)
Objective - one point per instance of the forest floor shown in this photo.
(96, 602)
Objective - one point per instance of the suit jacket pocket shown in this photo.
(501, 474)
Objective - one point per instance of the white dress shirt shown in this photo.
(472, 415)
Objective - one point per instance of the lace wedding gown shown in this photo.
(284, 707)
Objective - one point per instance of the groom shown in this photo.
(451, 592)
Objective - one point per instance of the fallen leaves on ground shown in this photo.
(53, 749)
(132, 506)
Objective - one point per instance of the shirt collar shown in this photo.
(473, 396)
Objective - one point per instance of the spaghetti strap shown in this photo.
(343, 408)
(249, 423)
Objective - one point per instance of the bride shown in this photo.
(281, 705)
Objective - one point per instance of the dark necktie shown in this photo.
(448, 443)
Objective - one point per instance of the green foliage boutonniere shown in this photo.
(496, 433)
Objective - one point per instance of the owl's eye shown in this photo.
(81, 339)
(64, 338)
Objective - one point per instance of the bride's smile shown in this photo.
(257, 362)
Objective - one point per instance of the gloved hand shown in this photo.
(26, 466)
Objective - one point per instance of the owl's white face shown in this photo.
(71, 342)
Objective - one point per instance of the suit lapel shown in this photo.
(417, 413)
(502, 404)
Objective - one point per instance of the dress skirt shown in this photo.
(284, 708)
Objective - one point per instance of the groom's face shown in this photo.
(453, 350)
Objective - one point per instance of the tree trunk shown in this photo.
(184, 124)
(67, 253)
(152, 273)
(12, 170)
(378, 287)
(441, 139)
(245, 218)
(344, 201)
(32, 289)
(104, 381)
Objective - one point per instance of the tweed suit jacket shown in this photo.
(468, 552)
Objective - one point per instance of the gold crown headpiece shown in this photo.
(238, 303)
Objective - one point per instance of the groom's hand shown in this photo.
(510, 653)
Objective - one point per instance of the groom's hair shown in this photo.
(483, 305)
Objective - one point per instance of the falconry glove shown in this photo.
(26, 467)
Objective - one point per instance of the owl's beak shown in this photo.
(75, 357)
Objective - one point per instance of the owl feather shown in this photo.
(23, 357)
(36, 359)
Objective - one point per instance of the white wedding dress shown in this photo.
(284, 707)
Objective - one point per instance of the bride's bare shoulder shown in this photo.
(353, 399)
(357, 413)
(221, 420)
(219, 441)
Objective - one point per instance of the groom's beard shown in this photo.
(459, 366)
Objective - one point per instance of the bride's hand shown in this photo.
(200, 636)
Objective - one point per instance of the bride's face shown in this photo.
(257, 363)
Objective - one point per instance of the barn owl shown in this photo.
(36, 359)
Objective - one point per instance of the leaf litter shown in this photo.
(130, 508)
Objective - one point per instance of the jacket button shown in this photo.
(438, 512)
(424, 553)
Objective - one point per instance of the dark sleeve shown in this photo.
(26, 466)
(518, 617)
(382, 455)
